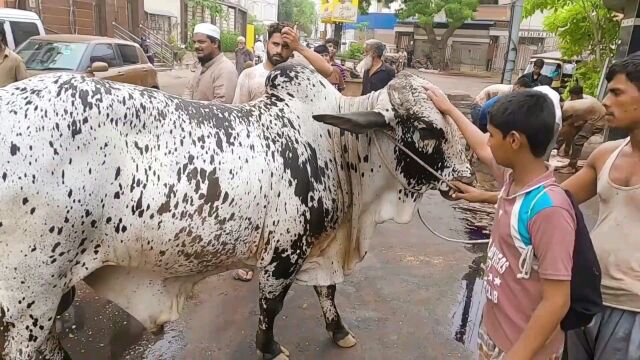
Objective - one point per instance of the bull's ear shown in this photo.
(356, 122)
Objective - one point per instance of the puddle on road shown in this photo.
(468, 311)
(463, 222)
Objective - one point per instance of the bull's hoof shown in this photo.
(344, 339)
(282, 355)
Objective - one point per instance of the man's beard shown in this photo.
(365, 65)
(275, 59)
(204, 58)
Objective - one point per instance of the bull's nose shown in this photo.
(467, 180)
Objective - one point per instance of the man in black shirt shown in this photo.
(535, 77)
(377, 74)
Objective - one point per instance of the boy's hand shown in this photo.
(466, 192)
(440, 99)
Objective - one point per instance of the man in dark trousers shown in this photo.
(376, 73)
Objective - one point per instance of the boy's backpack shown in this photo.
(586, 298)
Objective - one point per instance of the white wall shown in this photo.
(172, 6)
(263, 10)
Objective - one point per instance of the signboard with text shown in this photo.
(339, 11)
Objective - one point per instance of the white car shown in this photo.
(20, 26)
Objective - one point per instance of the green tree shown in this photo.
(362, 28)
(299, 12)
(583, 28)
(457, 12)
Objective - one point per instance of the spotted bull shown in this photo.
(142, 194)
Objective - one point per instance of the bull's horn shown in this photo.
(356, 122)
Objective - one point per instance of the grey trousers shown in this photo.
(612, 335)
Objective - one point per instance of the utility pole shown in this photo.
(514, 37)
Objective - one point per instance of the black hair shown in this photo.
(215, 41)
(629, 66)
(321, 49)
(577, 90)
(3, 34)
(333, 41)
(523, 82)
(538, 63)
(529, 112)
(276, 28)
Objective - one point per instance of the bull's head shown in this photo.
(411, 118)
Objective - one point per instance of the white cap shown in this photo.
(241, 39)
(207, 29)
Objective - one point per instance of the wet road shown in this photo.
(413, 297)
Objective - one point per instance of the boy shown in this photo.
(612, 173)
(335, 79)
(529, 260)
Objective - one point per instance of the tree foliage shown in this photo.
(300, 12)
(425, 12)
(583, 28)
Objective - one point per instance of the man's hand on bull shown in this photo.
(440, 100)
(290, 36)
(473, 195)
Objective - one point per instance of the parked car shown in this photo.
(104, 58)
(20, 25)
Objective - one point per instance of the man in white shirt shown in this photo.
(258, 49)
(281, 44)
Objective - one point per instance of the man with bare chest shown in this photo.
(613, 174)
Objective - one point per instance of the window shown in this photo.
(104, 53)
(22, 31)
(129, 54)
(4, 41)
(48, 55)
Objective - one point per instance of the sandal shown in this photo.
(243, 275)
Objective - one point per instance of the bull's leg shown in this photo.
(29, 322)
(272, 294)
(338, 331)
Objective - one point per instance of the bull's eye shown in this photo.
(428, 133)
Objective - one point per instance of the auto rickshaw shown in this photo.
(557, 67)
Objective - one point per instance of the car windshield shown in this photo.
(50, 55)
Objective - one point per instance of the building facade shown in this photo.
(85, 17)
(481, 44)
(233, 17)
(265, 11)
(163, 18)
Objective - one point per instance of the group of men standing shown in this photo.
(219, 80)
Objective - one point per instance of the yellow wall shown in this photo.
(251, 38)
